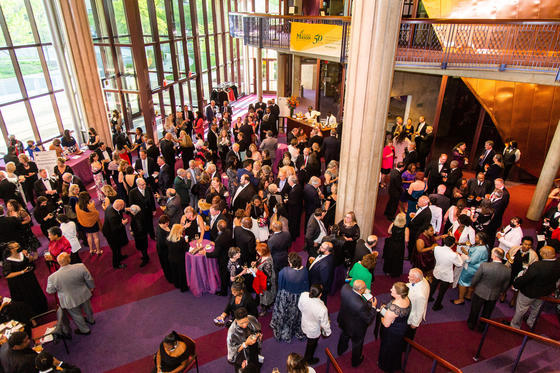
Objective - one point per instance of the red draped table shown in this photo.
(203, 275)
(81, 167)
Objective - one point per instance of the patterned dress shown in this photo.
(97, 171)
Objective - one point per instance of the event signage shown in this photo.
(46, 160)
(318, 39)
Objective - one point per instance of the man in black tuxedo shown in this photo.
(167, 147)
(164, 176)
(321, 269)
(478, 187)
(395, 191)
(282, 184)
(152, 150)
(216, 216)
(453, 178)
(294, 206)
(234, 152)
(354, 317)
(424, 146)
(315, 231)
(279, 243)
(246, 241)
(222, 244)
(105, 154)
(411, 156)
(538, 281)
(309, 163)
(212, 138)
(487, 156)
(331, 147)
(364, 248)
(418, 224)
(260, 107)
(146, 167)
(439, 199)
(210, 111)
(114, 231)
(500, 184)
(311, 197)
(435, 171)
(243, 194)
(46, 186)
(143, 196)
(69, 179)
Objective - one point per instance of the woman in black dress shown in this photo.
(177, 246)
(239, 298)
(496, 169)
(94, 140)
(330, 207)
(393, 328)
(393, 251)
(348, 228)
(29, 241)
(173, 354)
(22, 282)
(61, 168)
(161, 246)
(29, 171)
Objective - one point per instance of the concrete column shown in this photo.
(296, 75)
(546, 178)
(259, 72)
(373, 42)
(281, 64)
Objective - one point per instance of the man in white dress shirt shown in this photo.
(418, 294)
(437, 217)
(314, 320)
(443, 271)
(312, 115)
(511, 236)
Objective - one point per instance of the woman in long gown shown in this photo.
(425, 245)
(97, 171)
(348, 228)
(393, 251)
(476, 255)
(28, 240)
(415, 191)
(23, 285)
(393, 328)
(286, 317)
(177, 246)
(265, 264)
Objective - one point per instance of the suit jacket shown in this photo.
(183, 188)
(153, 152)
(72, 283)
(433, 175)
(490, 280)
(222, 244)
(295, 200)
(167, 151)
(244, 197)
(311, 199)
(488, 160)
(165, 177)
(419, 223)
(245, 240)
(209, 113)
(395, 183)
(453, 178)
(441, 201)
(102, 157)
(313, 231)
(424, 143)
(214, 227)
(279, 243)
(174, 210)
(411, 157)
(212, 139)
(361, 250)
(40, 189)
(322, 272)
(285, 190)
(75, 180)
(313, 167)
(152, 166)
(355, 314)
(331, 148)
(113, 228)
(146, 202)
(479, 190)
(540, 279)
(8, 190)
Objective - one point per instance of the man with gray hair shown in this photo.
(69, 179)
(418, 294)
(311, 197)
(139, 232)
(115, 232)
(143, 196)
(182, 185)
(294, 206)
(73, 285)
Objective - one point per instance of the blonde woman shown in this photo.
(193, 224)
(88, 217)
(177, 246)
(16, 180)
(393, 252)
(109, 196)
(349, 230)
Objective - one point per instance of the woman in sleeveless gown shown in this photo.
(415, 191)
(393, 251)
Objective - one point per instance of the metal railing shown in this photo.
(436, 359)
(526, 335)
(332, 361)
(488, 44)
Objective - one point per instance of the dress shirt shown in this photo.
(145, 166)
(511, 238)
(47, 184)
(314, 316)
(281, 184)
(105, 154)
(420, 209)
(439, 167)
(331, 121)
(445, 260)
(317, 259)
(437, 216)
(420, 126)
(322, 228)
(193, 174)
(237, 192)
(418, 294)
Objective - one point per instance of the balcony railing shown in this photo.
(492, 44)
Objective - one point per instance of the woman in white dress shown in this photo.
(69, 231)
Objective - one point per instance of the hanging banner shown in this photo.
(318, 39)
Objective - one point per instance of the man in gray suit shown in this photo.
(73, 284)
(172, 206)
(489, 281)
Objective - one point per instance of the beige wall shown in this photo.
(308, 76)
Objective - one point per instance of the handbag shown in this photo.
(70, 214)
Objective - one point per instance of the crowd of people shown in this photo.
(210, 177)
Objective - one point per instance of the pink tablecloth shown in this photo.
(81, 167)
(202, 272)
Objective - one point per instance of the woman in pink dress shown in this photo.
(387, 161)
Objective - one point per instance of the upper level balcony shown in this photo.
(530, 47)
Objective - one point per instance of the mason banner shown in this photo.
(318, 39)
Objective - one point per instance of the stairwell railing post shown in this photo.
(514, 367)
(406, 352)
(328, 364)
(476, 357)
(434, 366)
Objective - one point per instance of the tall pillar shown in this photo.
(259, 72)
(546, 178)
(79, 49)
(281, 64)
(373, 42)
(296, 75)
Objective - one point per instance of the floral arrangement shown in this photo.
(293, 102)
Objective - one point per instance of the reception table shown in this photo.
(306, 126)
(203, 275)
(81, 167)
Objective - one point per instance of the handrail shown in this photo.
(332, 360)
(482, 21)
(531, 335)
(551, 300)
(317, 18)
(437, 359)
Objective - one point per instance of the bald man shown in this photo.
(539, 281)
(418, 223)
(167, 147)
(418, 293)
(114, 231)
(73, 284)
